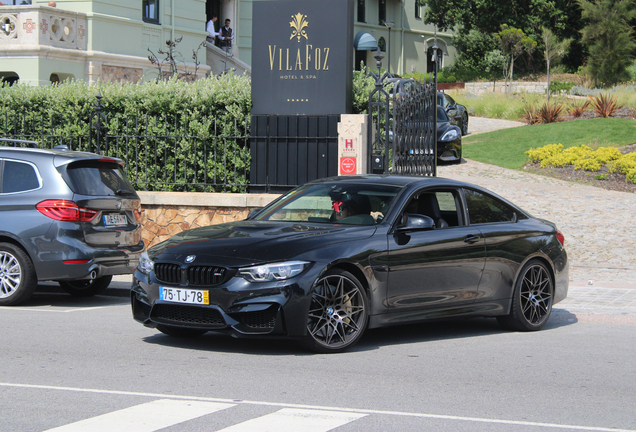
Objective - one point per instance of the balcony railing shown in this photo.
(22, 27)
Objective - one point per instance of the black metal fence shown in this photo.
(180, 153)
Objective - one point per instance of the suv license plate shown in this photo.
(180, 295)
(111, 220)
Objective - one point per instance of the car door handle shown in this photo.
(472, 239)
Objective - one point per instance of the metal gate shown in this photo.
(403, 138)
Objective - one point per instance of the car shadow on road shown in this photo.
(372, 339)
(63, 300)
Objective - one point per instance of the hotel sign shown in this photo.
(302, 57)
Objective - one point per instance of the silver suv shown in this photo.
(65, 216)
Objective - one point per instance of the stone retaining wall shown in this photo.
(168, 213)
(514, 86)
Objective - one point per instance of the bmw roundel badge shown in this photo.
(190, 258)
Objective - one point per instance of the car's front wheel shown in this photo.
(338, 313)
(17, 275)
(86, 288)
(532, 299)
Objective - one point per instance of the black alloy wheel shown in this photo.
(465, 124)
(338, 313)
(17, 275)
(181, 332)
(532, 299)
(86, 288)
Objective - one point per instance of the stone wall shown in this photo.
(500, 86)
(168, 213)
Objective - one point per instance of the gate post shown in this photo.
(379, 109)
(352, 145)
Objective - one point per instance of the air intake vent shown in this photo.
(205, 276)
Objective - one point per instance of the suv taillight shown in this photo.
(137, 213)
(560, 237)
(64, 210)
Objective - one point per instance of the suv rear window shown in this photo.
(99, 180)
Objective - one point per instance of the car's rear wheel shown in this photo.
(338, 313)
(180, 331)
(17, 275)
(86, 288)
(532, 299)
(465, 124)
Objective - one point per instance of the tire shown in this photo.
(87, 287)
(338, 313)
(180, 331)
(465, 124)
(532, 299)
(17, 275)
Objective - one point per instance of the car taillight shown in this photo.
(64, 210)
(560, 237)
(137, 213)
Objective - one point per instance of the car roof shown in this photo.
(61, 155)
(393, 180)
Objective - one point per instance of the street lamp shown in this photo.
(388, 25)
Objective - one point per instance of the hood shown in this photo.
(253, 242)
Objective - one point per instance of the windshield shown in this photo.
(333, 203)
(441, 115)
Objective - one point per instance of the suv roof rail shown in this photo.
(62, 147)
(30, 144)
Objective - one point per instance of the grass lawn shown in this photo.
(506, 148)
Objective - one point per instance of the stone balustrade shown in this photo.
(23, 26)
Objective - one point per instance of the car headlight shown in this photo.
(273, 272)
(145, 264)
(450, 135)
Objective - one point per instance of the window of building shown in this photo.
(418, 9)
(362, 7)
(382, 44)
(150, 11)
(382, 11)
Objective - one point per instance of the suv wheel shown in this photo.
(17, 276)
(86, 288)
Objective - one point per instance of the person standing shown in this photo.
(227, 36)
(212, 33)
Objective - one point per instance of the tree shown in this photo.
(610, 38)
(513, 42)
(555, 50)
(563, 17)
(494, 64)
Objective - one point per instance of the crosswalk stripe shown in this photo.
(294, 420)
(146, 417)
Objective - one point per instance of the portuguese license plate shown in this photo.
(181, 295)
(113, 220)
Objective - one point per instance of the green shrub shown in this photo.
(166, 131)
(583, 157)
(557, 86)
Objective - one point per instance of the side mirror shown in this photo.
(253, 213)
(416, 222)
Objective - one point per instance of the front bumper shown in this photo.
(238, 307)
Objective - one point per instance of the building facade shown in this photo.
(95, 40)
(111, 40)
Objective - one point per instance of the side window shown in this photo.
(441, 206)
(418, 9)
(19, 177)
(486, 209)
